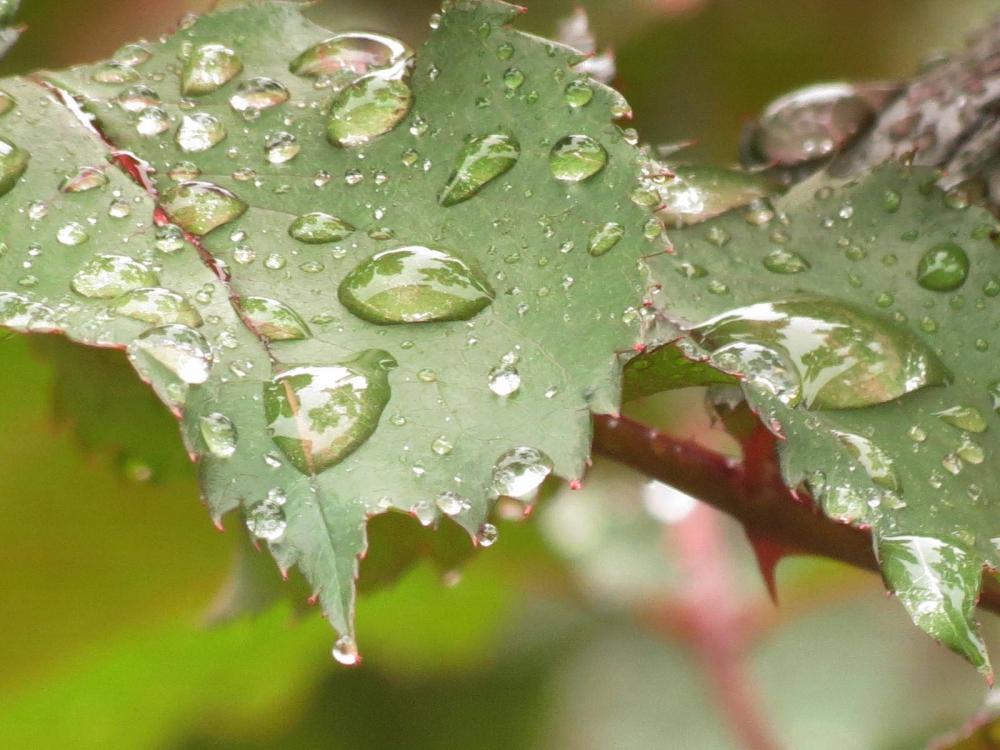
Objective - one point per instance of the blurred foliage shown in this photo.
(107, 580)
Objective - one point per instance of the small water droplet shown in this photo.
(83, 179)
(72, 234)
(442, 446)
(785, 262)
(487, 535)
(170, 358)
(208, 68)
(112, 71)
(345, 651)
(256, 94)
(157, 306)
(199, 132)
(604, 237)
(281, 147)
(219, 434)
(273, 320)
(504, 379)
(943, 268)
(266, 519)
(578, 93)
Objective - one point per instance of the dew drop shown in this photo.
(520, 471)
(208, 68)
(369, 107)
(72, 234)
(964, 418)
(504, 379)
(318, 228)
(170, 358)
(481, 160)
(112, 71)
(487, 535)
(200, 207)
(273, 320)
(22, 314)
(281, 147)
(219, 434)
(576, 158)
(109, 276)
(875, 461)
(157, 306)
(152, 121)
(943, 268)
(256, 94)
(345, 651)
(415, 284)
(785, 262)
(450, 503)
(266, 519)
(318, 416)
(348, 56)
(578, 93)
(83, 179)
(199, 132)
(13, 163)
(604, 237)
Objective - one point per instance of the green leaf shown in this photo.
(385, 322)
(882, 385)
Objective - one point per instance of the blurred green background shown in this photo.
(619, 617)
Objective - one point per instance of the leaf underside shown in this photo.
(559, 314)
(918, 469)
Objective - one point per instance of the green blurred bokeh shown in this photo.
(109, 564)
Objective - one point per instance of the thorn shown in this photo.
(313, 599)
(768, 553)
(639, 348)
(284, 574)
(575, 484)
(219, 526)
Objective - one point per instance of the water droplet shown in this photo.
(266, 519)
(13, 163)
(317, 228)
(943, 268)
(72, 234)
(152, 121)
(576, 158)
(273, 320)
(487, 535)
(183, 170)
(7, 102)
(891, 200)
(846, 358)
(442, 446)
(256, 94)
(169, 239)
(200, 207)
(964, 418)
(171, 358)
(916, 434)
(219, 434)
(427, 375)
(785, 262)
(520, 471)
(317, 416)
(513, 78)
(505, 51)
(199, 132)
(504, 379)
(157, 306)
(578, 93)
(415, 284)
(450, 503)
(762, 367)
(109, 276)
(369, 107)
(604, 237)
(481, 160)
(22, 314)
(112, 71)
(83, 179)
(345, 57)
(970, 451)
(281, 147)
(208, 68)
(875, 461)
(345, 651)
(132, 54)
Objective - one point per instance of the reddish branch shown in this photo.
(752, 492)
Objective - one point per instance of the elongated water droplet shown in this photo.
(605, 237)
(113, 71)
(576, 158)
(208, 68)
(318, 228)
(138, 98)
(199, 132)
(132, 54)
(200, 207)
(415, 284)
(695, 194)
(943, 268)
(171, 358)
(109, 276)
(369, 107)
(964, 418)
(83, 179)
(520, 471)
(875, 461)
(846, 358)
(22, 314)
(13, 162)
(158, 306)
(266, 520)
(273, 320)
(350, 56)
(481, 160)
(256, 94)
(219, 434)
(317, 416)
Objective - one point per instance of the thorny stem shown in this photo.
(752, 492)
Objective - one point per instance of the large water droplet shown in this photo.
(25, 315)
(846, 358)
(576, 158)
(266, 520)
(318, 228)
(152, 121)
(109, 276)
(415, 284)
(72, 234)
(317, 416)
(520, 471)
(199, 132)
(13, 162)
(256, 94)
(578, 93)
(875, 461)
(83, 179)
(695, 194)
(200, 207)
(171, 358)
(349, 56)
(219, 434)
(943, 268)
(369, 107)
(273, 320)
(158, 306)
(482, 159)
(605, 237)
(504, 379)
(208, 68)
